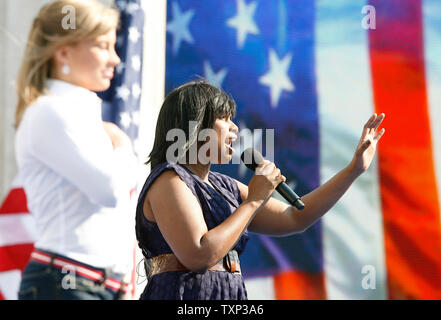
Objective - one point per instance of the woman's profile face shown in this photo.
(92, 62)
(226, 133)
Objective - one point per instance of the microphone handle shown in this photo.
(288, 194)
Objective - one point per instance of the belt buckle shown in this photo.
(148, 267)
(231, 262)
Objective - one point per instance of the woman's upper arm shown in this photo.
(179, 216)
(243, 189)
(91, 167)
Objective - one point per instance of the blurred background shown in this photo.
(314, 71)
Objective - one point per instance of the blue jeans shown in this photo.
(46, 282)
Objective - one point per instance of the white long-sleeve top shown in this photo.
(77, 186)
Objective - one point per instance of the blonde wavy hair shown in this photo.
(47, 33)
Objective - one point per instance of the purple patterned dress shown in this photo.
(216, 205)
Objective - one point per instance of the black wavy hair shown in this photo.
(196, 101)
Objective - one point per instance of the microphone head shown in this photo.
(251, 158)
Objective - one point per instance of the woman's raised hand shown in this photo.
(367, 145)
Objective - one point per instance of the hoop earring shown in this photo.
(65, 69)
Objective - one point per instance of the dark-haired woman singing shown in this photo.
(192, 223)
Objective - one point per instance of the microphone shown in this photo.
(252, 158)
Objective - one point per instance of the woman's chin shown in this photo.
(225, 158)
(230, 151)
(102, 85)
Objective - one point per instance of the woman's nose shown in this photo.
(115, 60)
(235, 128)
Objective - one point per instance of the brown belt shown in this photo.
(168, 262)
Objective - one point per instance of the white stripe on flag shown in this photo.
(353, 229)
(17, 228)
(432, 49)
(261, 288)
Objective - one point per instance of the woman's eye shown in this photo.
(103, 45)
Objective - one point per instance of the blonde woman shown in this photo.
(75, 168)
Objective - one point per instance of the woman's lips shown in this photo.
(228, 142)
(230, 149)
(108, 74)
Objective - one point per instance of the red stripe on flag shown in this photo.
(15, 202)
(1, 296)
(299, 285)
(411, 211)
(15, 256)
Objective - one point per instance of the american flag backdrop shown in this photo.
(315, 71)
(17, 235)
(121, 103)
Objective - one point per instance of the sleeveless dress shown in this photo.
(216, 205)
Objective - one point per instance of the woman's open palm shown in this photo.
(367, 145)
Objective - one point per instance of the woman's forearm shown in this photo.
(322, 199)
(216, 243)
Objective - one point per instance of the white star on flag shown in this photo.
(123, 92)
(243, 21)
(136, 63)
(132, 7)
(179, 27)
(134, 34)
(212, 77)
(125, 120)
(135, 118)
(277, 77)
(136, 90)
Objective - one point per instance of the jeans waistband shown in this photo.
(109, 279)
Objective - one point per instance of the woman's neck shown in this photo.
(201, 170)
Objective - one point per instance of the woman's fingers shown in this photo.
(373, 123)
(367, 129)
(371, 120)
(265, 168)
(279, 178)
(270, 170)
(379, 134)
(378, 121)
